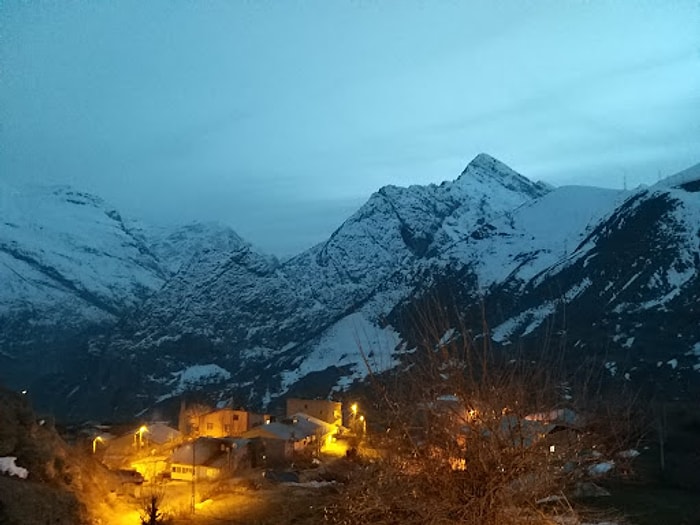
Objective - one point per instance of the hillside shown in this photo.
(125, 316)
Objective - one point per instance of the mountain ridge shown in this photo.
(209, 298)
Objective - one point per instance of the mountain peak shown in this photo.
(487, 169)
(485, 161)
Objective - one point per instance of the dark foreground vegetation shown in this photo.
(461, 433)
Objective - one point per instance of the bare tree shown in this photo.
(478, 435)
(151, 509)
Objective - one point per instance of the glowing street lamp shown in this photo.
(94, 443)
(140, 432)
(354, 409)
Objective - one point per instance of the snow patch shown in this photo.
(600, 469)
(355, 341)
(696, 349)
(533, 316)
(195, 376)
(447, 337)
(8, 466)
(611, 366)
(73, 392)
(628, 454)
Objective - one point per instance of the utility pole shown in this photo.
(194, 472)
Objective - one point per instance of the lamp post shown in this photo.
(192, 502)
(94, 443)
(140, 432)
(353, 409)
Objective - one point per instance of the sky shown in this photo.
(280, 118)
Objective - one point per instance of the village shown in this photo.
(215, 449)
(320, 460)
(217, 460)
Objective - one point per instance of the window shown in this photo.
(235, 417)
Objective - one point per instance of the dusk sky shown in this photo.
(281, 118)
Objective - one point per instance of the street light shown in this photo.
(140, 432)
(94, 443)
(353, 423)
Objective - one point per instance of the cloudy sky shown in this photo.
(280, 118)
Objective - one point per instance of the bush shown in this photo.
(481, 436)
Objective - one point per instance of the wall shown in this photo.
(223, 423)
(328, 411)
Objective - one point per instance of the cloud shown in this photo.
(278, 118)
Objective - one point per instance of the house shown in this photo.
(328, 411)
(277, 442)
(208, 458)
(520, 432)
(561, 426)
(223, 422)
(227, 422)
(149, 440)
(319, 429)
(565, 428)
(151, 466)
(159, 434)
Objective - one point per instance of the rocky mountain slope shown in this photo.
(631, 286)
(135, 316)
(247, 314)
(71, 267)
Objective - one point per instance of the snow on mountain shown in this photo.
(174, 247)
(67, 242)
(633, 282)
(534, 236)
(71, 268)
(198, 307)
(60, 245)
(215, 294)
(397, 226)
(353, 342)
(248, 308)
(688, 179)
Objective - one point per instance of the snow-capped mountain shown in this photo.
(249, 313)
(631, 286)
(159, 312)
(72, 266)
(67, 245)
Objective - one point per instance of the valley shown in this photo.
(107, 320)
